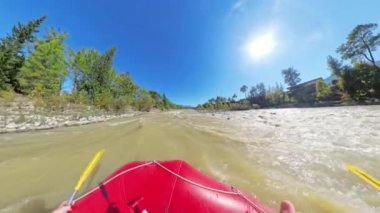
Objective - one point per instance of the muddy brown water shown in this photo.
(39, 169)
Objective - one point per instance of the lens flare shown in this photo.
(261, 46)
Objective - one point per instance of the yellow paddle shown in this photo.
(86, 173)
(364, 176)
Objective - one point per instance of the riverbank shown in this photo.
(23, 115)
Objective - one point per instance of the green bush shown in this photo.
(323, 90)
(104, 100)
(120, 104)
(38, 92)
(55, 103)
(8, 95)
(145, 103)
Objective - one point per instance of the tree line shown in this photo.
(39, 67)
(357, 79)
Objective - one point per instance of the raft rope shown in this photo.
(236, 192)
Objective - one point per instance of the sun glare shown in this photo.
(261, 46)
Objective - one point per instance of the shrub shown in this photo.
(104, 100)
(8, 95)
(55, 103)
(145, 103)
(323, 90)
(120, 104)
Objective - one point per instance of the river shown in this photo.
(274, 154)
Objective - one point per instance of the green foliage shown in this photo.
(38, 92)
(144, 102)
(55, 102)
(42, 74)
(323, 90)
(95, 78)
(241, 105)
(104, 99)
(102, 73)
(334, 65)
(291, 76)
(276, 96)
(120, 104)
(7, 95)
(81, 64)
(244, 89)
(79, 97)
(258, 97)
(361, 80)
(12, 54)
(94, 75)
(45, 68)
(360, 44)
(124, 86)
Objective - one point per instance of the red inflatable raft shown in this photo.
(169, 186)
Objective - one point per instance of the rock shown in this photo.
(11, 126)
(52, 123)
(23, 127)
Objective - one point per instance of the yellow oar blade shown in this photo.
(86, 173)
(364, 176)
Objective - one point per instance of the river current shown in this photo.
(274, 154)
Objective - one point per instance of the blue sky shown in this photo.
(195, 50)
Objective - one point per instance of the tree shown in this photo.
(261, 94)
(275, 95)
(257, 94)
(334, 65)
(144, 102)
(45, 68)
(244, 89)
(360, 44)
(233, 98)
(103, 73)
(366, 82)
(81, 64)
(12, 56)
(94, 74)
(124, 86)
(166, 102)
(252, 94)
(361, 80)
(291, 76)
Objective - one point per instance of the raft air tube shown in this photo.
(167, 186)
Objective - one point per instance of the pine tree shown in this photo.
(45, 68)
(12, 56)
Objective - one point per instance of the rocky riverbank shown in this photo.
(20, 116)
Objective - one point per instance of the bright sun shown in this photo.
(261, 46)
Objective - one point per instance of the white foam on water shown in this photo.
(311, 145)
